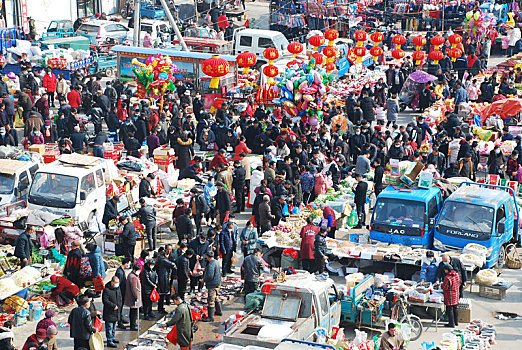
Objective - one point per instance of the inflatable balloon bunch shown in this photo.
(303, 88)
(477, 22)
(155, 76)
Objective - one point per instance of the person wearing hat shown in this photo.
(110, 211)
(222, 203)
(50, 341)
(47, 320)
(63, 293)
(212, 279)
(320, 250)
(147, 215)
(199, 208)
(128, 238)
(71, 271)
(149, 282)
(35, 340)
(81, 323)
(24, 246)
(145, 189)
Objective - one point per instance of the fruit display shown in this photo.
(287, 234)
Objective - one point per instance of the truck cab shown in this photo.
(257, 40)
(59, 29)
(406, 216)
(478, 213)
(15, 178)
(73, 185)
(302, 305)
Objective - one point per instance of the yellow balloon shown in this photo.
(138, 63)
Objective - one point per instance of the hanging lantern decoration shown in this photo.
(330, 52)
(360, 52)
(455, 39)
(271, 54)
(331, 35)
(398, 54)
(360, 37)
(319, 58)
(437, 41)
(316, 41)
(419, 42)
(295, 48)
(454, 53)
(399, 40)
(271, 72)
(376, 37)
(330, 67)
(215, 67)
(418, 56)
(292, 63)
(436, 56)
(2, 60)
(246, 60)
(376, 51)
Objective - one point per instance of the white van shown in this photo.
(15, 178)
(257, 40)
(73, 185)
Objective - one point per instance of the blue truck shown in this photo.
(406, 216)
(479, 213)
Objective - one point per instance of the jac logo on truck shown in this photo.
(463, 234)
(397, 231)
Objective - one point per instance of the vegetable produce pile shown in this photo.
(36, 257)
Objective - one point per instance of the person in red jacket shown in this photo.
(450, 289)
(49, 83)
(241, 148)
(35, 340)
(65, 290)
(74, 99)
(329, 217)
(307, 234)
(218, 159)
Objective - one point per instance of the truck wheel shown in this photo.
(501, 258)
(109, 72)
(416, 325)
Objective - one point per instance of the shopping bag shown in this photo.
(85, 268)
(203, 221)
(253, 220)
(98, 325)
(98, 284)
(285, 210)
(172, 336)
(197, 270)
(154, 296)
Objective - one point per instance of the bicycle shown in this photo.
(401, 315)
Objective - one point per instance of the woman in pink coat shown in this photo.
(320, 185)
(49, 83)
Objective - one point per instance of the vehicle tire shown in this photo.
(416, 326)
(109, 72)
(501, 258)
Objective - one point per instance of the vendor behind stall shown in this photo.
(392, 339)
(23, 246)
(64, 292)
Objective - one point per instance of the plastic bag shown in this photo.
(292, 252)
(203, 221)
(154, 296)
(197, 271)
(172, 336)
(286, 212)
(296, 210)
(98, 284)
(98, 325)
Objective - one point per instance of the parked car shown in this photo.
(100, 32)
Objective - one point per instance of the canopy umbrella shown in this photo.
(506, 108)
(421, 77)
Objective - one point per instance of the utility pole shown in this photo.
(137, 24)
(174, 25)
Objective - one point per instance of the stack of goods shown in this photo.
(230, 287)
(360, 342)
(356, 84)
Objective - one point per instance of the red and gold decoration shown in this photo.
(216, 67)
(246, 60)
(360, 52)
(271, 54)
(418, 56)
(319, 58)
(295, 48)
(436, 56)
(330, 66)
(376, 51)
(398, 54)
(455, 39)
(399, 40)
(376, 37)
(437, 41)
(419, 42)
(331, 35)
(454, 53)
(360, 36)
(271, 71)
(316, 41)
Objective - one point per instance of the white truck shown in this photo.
(15, 178)
(257, 40)
(295, 308)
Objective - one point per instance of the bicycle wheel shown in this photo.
(416, 325)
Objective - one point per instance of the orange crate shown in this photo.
(51, 156)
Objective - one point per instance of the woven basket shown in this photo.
(512, 258)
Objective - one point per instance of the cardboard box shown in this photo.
(415, 171)
(51, 156)
(37, 148)
(163, 153)
(464, 315)
(378, 256)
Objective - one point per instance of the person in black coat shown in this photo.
(184, 227)
(378, 177)
(141, 130)
(120, 273)
(128, 238)
(200, 246)
(163, 268)
(81, 323)
(367, 105)
(132, 146)
(149, 282)
(112, 304)
(360, 192)
(145, 189)
(238, 183)
(184, 151)
(357, 142)
(184, 272)
(276, 206)
(190, 173)
(320, 250)
(111, 210)
(112, 121)
(24, 246)
(126, 129)
(198, 202)
(222, 202)
(457, 266)
(104, 103)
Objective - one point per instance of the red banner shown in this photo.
(25, 20)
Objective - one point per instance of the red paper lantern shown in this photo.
(215, 67)
(295, 48)
(419, 41)
(376, 51)
(246, 60)
(360, 52)
(360, 36)
(331, 35)
(455, 39)
(292, 63)
(376, 37)
(418, 56)
(316, 41)
(330, 51)
(437, 41)
(2, 60)
(399, 40)
(330, 67)
(271, 54)
(319, 58)
(454, 53)
(436, 56)
(398, 54)
(270, 71)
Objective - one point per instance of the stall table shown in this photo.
(436, 306)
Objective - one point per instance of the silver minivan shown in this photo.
(99, 31)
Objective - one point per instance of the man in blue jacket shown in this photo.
(227, 246)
